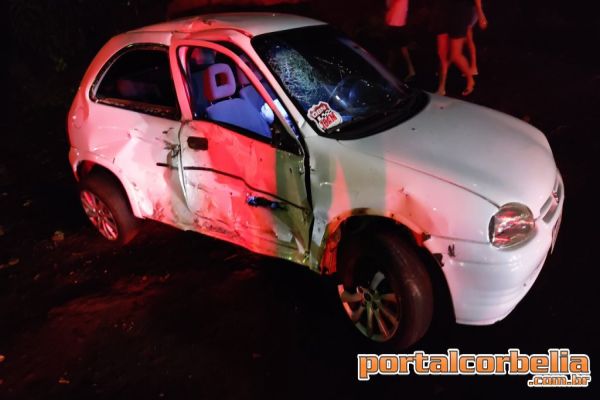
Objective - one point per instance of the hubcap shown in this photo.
(373, 307)
(100, 215)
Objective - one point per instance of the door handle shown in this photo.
(197, 143)
(256, 201)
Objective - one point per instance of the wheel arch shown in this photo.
(84, 168)
(364, 222)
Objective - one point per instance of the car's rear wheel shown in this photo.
(385, 289)
(107, 208)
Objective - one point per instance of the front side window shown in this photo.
(222, 93)
(139, 79)
(339, 87)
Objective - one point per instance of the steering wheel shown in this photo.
(351, 95)
(343, 94)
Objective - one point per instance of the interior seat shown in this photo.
(249, 92)
(199, 60)
(219, 87)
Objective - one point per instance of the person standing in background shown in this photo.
(396, 19)
(451, 18)
(478, 17)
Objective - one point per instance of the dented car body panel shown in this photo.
(286, 191)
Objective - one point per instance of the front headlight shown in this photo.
(511, 225)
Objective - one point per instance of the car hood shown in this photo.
(484, 151)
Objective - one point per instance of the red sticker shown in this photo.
(324, 116)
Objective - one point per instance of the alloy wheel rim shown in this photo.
(100, 215)
(373, 308)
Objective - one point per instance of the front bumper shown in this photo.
(487, 283)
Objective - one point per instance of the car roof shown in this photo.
(251, 23)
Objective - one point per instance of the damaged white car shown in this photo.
(279, 134)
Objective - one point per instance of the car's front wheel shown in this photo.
(107, 208)
(385, 289)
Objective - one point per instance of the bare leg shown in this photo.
(409, 64)
(442, 48)
(472, 51)
(458, 58)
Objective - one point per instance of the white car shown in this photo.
(279, 134)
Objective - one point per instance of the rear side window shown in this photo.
(139, 78)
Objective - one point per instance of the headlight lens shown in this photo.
(511, 225)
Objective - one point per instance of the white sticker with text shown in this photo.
(324, 116)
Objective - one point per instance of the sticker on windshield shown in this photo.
(324, 116)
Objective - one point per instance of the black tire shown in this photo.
(402, 288)
(109, 193)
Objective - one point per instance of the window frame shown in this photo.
(186, 78)
(156, 110)
(286, 142)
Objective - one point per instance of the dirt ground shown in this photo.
(179, 315)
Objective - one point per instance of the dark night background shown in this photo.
(178, 315)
